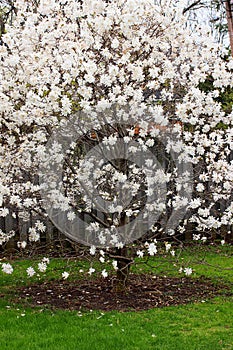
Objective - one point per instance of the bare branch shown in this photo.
(191, 6)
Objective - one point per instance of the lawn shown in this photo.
(207, 324)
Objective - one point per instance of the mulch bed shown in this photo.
(144, 292)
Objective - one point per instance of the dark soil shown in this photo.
(144, 292)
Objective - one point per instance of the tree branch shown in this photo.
(195, 3)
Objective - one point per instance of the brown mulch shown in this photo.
(144, 292)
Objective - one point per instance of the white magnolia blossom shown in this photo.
(114, 264)
(45, 260)
(91, 270)
(7, 268)
(196, 237)
(40, 226)
(30, 271)
(104, 273)
(92, 250)
(22, 244)
(33, 236)
(140, 253)
(5, 237)
(65, 275)
(71, 216)
(188, 271)
(167, 246)
(173, 253)
(101, 259)
(42, 267)
(152, 249)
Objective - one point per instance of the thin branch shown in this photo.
(191, 6)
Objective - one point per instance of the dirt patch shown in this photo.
(144, 292)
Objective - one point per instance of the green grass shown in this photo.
(195, 326)
(215, 262)
(206, 325)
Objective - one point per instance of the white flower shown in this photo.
(91, 271)
(92, 250)
(71, 215)
(170, 232)
(40, 226)
(152, 249)
(33, 235)
(140, 253)
(101, 259)
(150, 143)
(167, 246)
(196, 237)
(195, 203)
(188, 271)
(204, 212)
(120, 177)
(102, 252)
(65, 275)
(4, 212)
(106, 80)
(42, 267)
(102, 238)
(115, 43)
(119, 208)
(127, 139)
(173, 252)
(21, 244)
(119, 245)
(181, 229)
(30, 271)
(66, 105)
(114, 264)
(203, 177)
(104, 273)
(45, 260)
(200, 187)
(7, 268)
(222, 242)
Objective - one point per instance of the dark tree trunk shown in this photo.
(123, 265)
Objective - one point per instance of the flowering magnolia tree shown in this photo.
(107, 128)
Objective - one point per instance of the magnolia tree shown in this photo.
(108, 131)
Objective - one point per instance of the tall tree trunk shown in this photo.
(229, 11)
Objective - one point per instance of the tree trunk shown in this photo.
(123, 265)
(229, 11)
